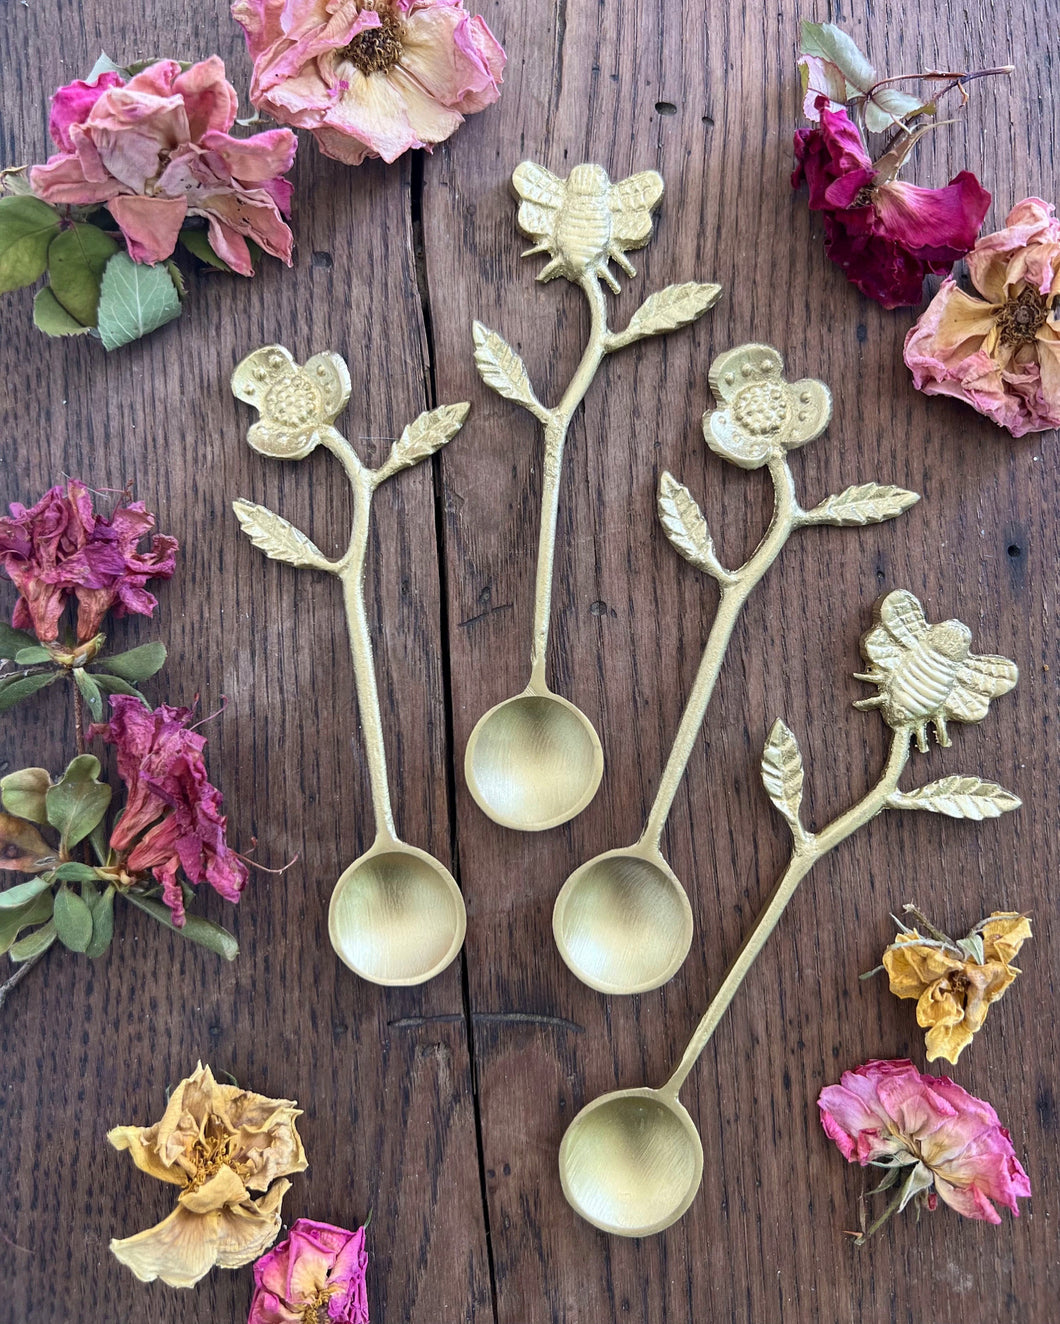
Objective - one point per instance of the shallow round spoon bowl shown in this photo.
(622, 922)
(533, 762)
(631, 1162)
(396, 916)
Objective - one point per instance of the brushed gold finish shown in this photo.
(396, 914)
(535, 761)
(622, 921)
(631, 1161)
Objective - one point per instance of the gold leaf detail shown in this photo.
(782, 772)
(684, 525)
(673, 307)
(865, 503)
(958, 797)
(501, 368)
(276, 537)
(424, 436)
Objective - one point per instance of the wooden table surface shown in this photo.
(441, 1108)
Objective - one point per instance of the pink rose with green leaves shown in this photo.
(155, 150)
(370, 77)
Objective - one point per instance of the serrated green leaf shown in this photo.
(77, 802)
(198, 244)
(31, 656)
(22, 893)
(77, 259)
(90, 692)
(134, 300)
(73, 872)
(12, 641)
(33, 944)
(115, 685)
(196, 929)
(833, 44)
(20, 689)
(27, 227)
(12, 922)
(137, 663)
(972, 946)
(102, 924)
(73, 920)
(52, 318)
(888, 104)
(22, 793)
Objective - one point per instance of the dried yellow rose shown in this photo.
(955, 983)
(219, 1143)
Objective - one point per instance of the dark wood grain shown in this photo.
(393, 1121)
(764, 1241)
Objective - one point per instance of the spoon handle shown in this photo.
(803, 857)
(556, 426)
(362, 481)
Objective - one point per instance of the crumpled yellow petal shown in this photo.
(185, 1246)
(913, 965)
(954, 1014)
(144, 1152)
(223, 1188)
(1004, 933)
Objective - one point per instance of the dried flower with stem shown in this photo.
(933, 1139)
(954, 983)
(222, 1146)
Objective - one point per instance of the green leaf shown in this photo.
(23, 893)
(177, 277)
(888, 104)
(29, 657)
(27, 227)
(137, 663)
(196, 929)
(12, 922)
(105, 65)
(113, 685)
(833, 44)
(22, 793)
(90, 692)
(77, 259)
(99, 838)
(34, 944)
(52, 318)
(25, 686)
(102, 924)
(134, 300)
(73, 920)
(198, 244)
(73, 872)
(78, 802)
(972, 946)
(12, 641)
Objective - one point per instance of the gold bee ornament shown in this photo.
(584, 221)
(927, 674)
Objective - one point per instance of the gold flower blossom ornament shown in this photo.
(762, 416)
(220, 1144)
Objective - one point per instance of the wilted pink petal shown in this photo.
(156, 150)
(370, 77)
(318, 1273)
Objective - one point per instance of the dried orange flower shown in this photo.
(219, 1143)
(954, 983)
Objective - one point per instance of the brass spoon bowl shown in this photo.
(623, 922)
(396, 915)
(533, 762)
(631, 1162)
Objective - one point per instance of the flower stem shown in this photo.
(79, 720)
(20, 974)
(892, 1208)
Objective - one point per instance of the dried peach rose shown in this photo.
(219, 1143)
(954, 984)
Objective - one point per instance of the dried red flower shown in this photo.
(61, 548)
(886, 235)
(172, 821)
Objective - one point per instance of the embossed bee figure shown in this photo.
(928, 673)
(585, 221)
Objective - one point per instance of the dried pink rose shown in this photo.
(370, 77)
(172, 821)
(315, 1276)
(156, 150)
(999, 353)
(949, 1143)
(61, 548)
(886, 235)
